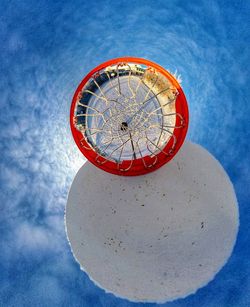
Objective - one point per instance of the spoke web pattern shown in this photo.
(127, 112)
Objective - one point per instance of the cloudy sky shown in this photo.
(46, 49)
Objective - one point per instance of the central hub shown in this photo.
(124, 126)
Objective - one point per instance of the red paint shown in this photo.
(137, 167)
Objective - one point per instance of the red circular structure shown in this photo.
(109, 102)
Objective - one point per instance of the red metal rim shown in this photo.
(138, 166)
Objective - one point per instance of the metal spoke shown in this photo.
(128, 128)
(172, 148)
(143, 160)
(171, 114)
(104, 96)
(110, 155)
(94, 94)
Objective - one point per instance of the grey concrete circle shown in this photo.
(157, 237)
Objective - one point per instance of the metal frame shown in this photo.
(136, 165)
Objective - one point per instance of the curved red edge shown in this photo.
(138, 167)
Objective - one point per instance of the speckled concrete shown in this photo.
(156, 237)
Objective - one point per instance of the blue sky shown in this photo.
(46, 49)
